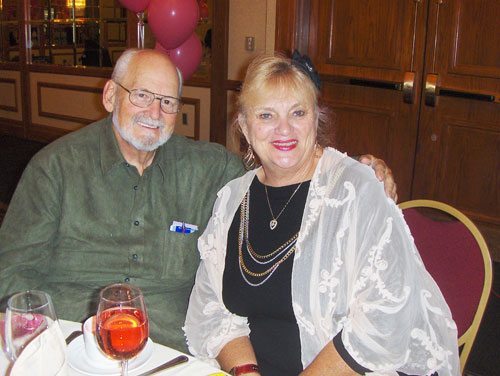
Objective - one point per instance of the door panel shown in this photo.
(472, 175)
(370, 39)
(376, 121)
(364, 50)
(458, 155)
(465, 50)
(363, 36)
(475, 47)
(361, 116)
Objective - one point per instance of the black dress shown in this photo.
(274, 331)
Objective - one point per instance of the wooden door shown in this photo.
(370, 57)
(458, 152)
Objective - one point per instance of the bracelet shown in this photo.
(241, 370)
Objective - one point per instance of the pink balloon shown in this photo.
(172, 21)
(135, 5)
(159, 47)
(187, 57)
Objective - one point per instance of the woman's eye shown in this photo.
(299, 113)
(265, 116)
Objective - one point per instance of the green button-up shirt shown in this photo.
(82, 218)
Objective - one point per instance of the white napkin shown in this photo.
(45, 355)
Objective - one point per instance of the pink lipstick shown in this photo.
(285, 145)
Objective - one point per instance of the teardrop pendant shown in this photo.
(273, 223)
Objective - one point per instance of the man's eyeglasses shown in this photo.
(143, 98)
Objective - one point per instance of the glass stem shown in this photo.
(124, 367)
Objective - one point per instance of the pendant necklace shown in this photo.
(274, 258)
(274, 221)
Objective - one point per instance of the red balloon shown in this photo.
(187, 57)
(135, 5)
(172, 21)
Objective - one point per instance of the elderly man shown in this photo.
(98, 206)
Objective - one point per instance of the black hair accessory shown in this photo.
(305, 64)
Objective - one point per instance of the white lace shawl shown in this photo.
(356, 268)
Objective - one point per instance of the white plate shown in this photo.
(78, 360)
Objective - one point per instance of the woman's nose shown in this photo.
(284, 126)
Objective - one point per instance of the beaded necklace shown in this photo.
(284, 251)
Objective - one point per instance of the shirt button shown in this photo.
(127, 279)
(135, 187)
(135, 256)
(136, 223)
(127, 164)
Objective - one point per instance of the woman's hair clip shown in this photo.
(305, 64)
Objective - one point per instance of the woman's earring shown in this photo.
(249, 158)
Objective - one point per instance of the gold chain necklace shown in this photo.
(285, 249)
(274, 222)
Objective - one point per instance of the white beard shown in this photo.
(144, 143)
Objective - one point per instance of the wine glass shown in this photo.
(28, 314)
(122, 328)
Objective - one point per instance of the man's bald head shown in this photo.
(131, 57)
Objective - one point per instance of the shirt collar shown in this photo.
(110, 153)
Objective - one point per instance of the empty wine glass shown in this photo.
(122, 322)
(28, 314)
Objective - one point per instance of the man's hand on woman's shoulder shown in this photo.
(383, 173)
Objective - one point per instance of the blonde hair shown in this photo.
(267, 74)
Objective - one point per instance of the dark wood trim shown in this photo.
(9, 108)
(113, 53)
(302, 26)
(73, 119)
(197, 83)
(59, 69)
(12, 127)
(44, 133)
(292, 26)
(286, 25)
(233, 85)
(10, 66)
(218, 93)
(71, 70)
(69, 87)
(197, 116)
(25, 90)
(197, 120)
(131, 29)
(14, 108)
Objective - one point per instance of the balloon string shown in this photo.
(140, 29)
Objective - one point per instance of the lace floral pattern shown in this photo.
(356, 269)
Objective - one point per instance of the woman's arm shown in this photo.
(237, 352)
(209, 326)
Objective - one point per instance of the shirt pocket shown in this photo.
(180, 257)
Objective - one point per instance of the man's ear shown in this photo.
(109, 95)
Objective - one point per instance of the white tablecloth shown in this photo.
(161, 354)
